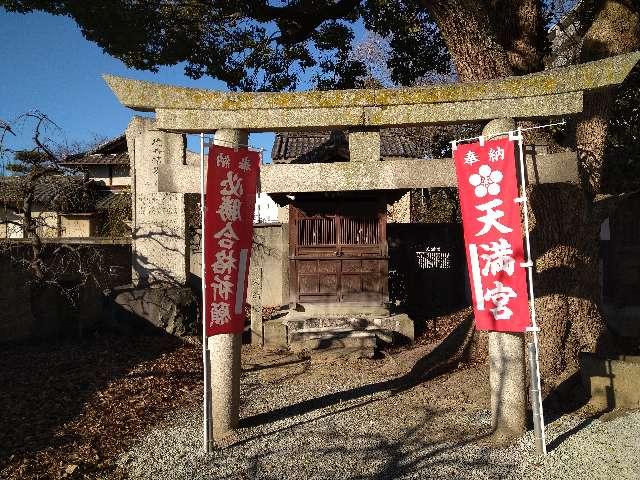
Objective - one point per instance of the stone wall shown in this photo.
(26, 313)
(400, 211)
(269, 261)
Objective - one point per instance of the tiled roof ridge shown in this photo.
(318, 146)
(121, 158)
(101, 157)
(107, 143)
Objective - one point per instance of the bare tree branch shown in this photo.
(50, 265)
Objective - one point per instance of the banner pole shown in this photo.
(534, 361)
(205, 350)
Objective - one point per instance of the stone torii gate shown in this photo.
(163, 174)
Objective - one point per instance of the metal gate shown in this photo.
(623, 267)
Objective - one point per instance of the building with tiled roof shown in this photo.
(64, 206)
(108, 163)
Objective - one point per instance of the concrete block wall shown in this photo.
(271, 255)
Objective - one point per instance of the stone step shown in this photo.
(392, 329)
(301, 321)
(343, 309)
(358, 344)
(339, 332)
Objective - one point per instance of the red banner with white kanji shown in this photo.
(232, 178)
(493, 234)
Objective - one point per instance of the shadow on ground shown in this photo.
(442, 359)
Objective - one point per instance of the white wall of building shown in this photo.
(266, 209)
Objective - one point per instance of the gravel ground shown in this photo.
(584, 445)
(308, 420)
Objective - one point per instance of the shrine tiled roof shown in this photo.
(112, 152)
(109, 159)
(317, 147)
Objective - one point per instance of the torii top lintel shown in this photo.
(551, 92)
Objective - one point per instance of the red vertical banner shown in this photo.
(493, 234)
(232, 179)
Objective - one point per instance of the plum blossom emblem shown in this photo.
(486, 181)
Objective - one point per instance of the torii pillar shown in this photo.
(225, 349)
(507, 377)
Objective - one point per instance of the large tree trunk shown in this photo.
(615, 30)
(566, 281)
(492, 39)
(471, 39)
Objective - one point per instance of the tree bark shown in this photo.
(615, 30)
(490, 39)
(520, 29)
(566, 281)
(471, 39)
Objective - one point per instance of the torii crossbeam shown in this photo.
(551, 92)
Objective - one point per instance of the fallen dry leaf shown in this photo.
(70, 408)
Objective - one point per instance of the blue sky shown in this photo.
(48, 65)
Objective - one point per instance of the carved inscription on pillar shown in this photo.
(159, 208)
(157, 151)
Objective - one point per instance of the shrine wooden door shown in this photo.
(339, 255)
